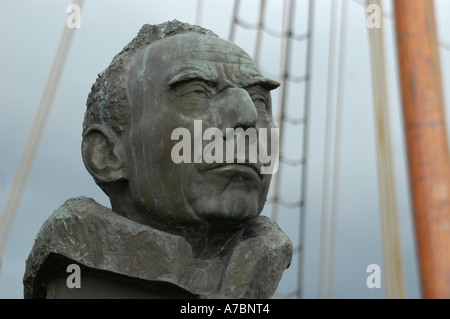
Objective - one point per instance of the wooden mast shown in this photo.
(426, 137)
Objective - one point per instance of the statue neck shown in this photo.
(207, 241)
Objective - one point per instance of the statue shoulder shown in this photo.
(258, 261)
(87, 233)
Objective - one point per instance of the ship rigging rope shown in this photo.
(288, 18)
(327, 148)
(337, 146)
(199, 12)
(307, 106)
(386, 175)
(259, 31)
(35, 136)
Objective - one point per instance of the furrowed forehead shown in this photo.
(212, 59)
(191, 56)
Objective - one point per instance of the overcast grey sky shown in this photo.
(30, 31)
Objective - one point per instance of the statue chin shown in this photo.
(226, 203)
(232, 209)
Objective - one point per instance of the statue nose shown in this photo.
(238, 110)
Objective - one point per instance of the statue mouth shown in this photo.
(246, 170)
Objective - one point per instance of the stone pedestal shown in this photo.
(100, 284)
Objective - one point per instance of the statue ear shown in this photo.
(101, 153)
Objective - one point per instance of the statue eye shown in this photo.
(262, 103)
(259, 101)
(195, 90)
(259, 97)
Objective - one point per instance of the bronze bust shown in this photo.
(185, 227)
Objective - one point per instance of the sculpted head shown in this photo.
(169, 76)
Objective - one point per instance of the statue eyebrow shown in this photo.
(190, 73)
(186, 72)
(262, 82)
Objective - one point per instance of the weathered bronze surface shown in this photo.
(186, 230)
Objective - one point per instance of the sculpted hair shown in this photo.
(108, 102)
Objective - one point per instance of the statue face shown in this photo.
(173, 82)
